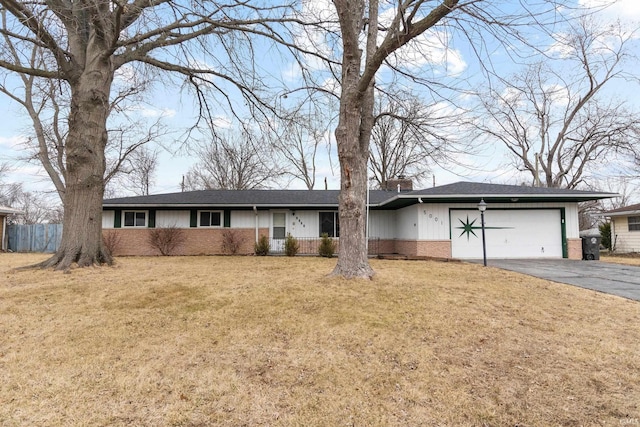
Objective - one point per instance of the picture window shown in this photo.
(330, 224)
(135, 219)
(210, 219)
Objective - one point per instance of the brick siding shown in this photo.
(574, 247)
(135, 242)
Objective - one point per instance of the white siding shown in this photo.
(304, 223)
(625, 240)
(572, 221)
(434, 221)
(247, 219)
(264, 219)
(407, 223)
(243, 219)
(180, 219)
(108, 219)
(427, 221)
(434, 218)
(382, 224)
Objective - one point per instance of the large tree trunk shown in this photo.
(353, 261)
(85, 164)
(352, 136)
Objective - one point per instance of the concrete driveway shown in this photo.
(615, 279)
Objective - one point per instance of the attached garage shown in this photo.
(509, 233)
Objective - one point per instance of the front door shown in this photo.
(278, 231)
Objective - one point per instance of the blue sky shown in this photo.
(177, 111)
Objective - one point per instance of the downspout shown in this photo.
(367, 221)
(255, 210)
(3, 244)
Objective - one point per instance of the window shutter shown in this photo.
(227, 218)
(193, 221)
(117, 218)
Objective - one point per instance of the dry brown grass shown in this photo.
(250, 341)
(627, 259)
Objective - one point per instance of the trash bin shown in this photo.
(591, 247)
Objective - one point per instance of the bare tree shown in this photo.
(140, 170)
(371, 34)
(555, 118)
(9, 191)
(298, 135)
(235, 161)
(36, 207)
(47, 103)
(408, 137)
(84, 43)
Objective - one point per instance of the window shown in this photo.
(329, 224)
(135, 219)
(279, 225)
(210, 219)
(634, 223)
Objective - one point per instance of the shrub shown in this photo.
(231, 242)
(262, 247)
(605, 233)
(291, 245)
(327, 246)
(166, 239)
(111, 240)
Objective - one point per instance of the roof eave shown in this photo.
(9, 211)
(513, 197)
(219, 205)
(621, 213)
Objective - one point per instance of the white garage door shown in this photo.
(525, 233)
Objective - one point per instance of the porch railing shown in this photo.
(310, 245)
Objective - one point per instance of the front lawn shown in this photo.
(251, 341)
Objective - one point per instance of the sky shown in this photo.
(488, 165)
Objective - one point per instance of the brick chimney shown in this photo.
(404, 183)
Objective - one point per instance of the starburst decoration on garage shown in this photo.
(468, 227)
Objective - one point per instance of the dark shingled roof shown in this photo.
(271, 198)
(457, 192)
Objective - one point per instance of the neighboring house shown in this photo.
(625, 228)
(442, 222)
(4, 214)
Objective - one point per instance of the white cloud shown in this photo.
(222, 122)
(431, 49)
(201, 66)
(291, 72)
(155, 112)
(126, 73)
(13, 142)
(623, 9)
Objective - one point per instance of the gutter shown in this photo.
(622, 213)
(218, 206)
(587, 196)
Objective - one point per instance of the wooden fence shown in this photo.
(34, 238)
